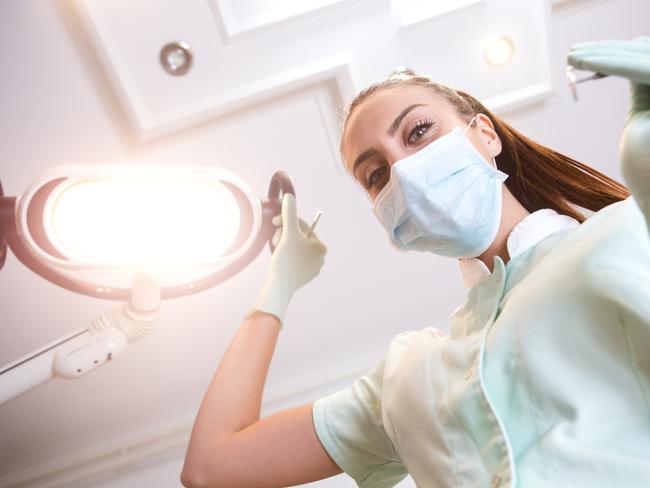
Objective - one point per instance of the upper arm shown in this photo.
(281, 449)
(340, 432)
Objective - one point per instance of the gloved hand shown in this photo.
(297, 260)
(631, 60)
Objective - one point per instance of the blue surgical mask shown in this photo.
(445, 199)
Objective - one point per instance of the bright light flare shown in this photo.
(499, 51)
(143, 222)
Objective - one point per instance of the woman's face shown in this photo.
(394, 123)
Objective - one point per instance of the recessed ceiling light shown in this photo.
(176, 58)
(499, 51)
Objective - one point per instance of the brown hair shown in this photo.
(539, 176)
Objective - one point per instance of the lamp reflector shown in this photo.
(119, 221)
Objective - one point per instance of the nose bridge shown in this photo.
(392, 150)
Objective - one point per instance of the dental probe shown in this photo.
(311, 227)
(573, 80)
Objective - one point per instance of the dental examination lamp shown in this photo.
(133, 233)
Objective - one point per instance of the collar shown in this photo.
(528, 232)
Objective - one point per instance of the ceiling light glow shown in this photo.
(499, 51)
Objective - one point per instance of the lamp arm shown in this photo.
(281, 183)
(86, 349)
(7, 222)
(32, 369)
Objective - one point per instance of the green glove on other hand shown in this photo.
(297, 260)
(631, 60)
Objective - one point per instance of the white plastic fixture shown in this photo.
(499, 51)
(85, 350)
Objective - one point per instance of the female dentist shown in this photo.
(544, 378)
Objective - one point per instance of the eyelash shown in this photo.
(424, 123)
(369, 179)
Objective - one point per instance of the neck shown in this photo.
(512, 213)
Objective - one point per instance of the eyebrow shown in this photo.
(398, 120)
(390, 131)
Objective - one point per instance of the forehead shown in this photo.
(370, 120)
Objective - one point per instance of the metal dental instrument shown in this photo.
(573, 80)
(313, 225)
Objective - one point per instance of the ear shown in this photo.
(488, 135)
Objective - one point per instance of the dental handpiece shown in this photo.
(573, 80)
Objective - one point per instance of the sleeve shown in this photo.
(349, 425)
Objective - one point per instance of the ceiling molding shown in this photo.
(558, 5)
(513, 100)
(235, 28)
(519, 99)
(337, 69)
(329, 113)
(336, 72)
(541, 89)
(408, 13)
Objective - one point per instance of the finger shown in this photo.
(640, 45)
(307, 231)
(634, 67)
(608, 53)
(289, 213)
(578, 56)
(304, 226)
(322, 248)
(276, 237)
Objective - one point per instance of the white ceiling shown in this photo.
(81, 83)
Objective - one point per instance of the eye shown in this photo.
(375, 176)
(420, 128)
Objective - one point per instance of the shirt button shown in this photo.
(468, 373)
(496, 481)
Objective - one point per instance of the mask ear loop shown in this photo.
(494, 160)
(470, 123)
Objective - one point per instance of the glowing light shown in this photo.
(150, 222)
(499, 51)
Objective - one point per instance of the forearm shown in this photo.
(233, 399)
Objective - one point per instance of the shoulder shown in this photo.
(414, 344)
(624, 215)
(613, 239)
(407, 337)
(603, 258)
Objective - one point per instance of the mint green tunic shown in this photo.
(543, 380)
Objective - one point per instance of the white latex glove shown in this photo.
(297, 260)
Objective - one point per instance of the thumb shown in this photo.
(289, 213)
